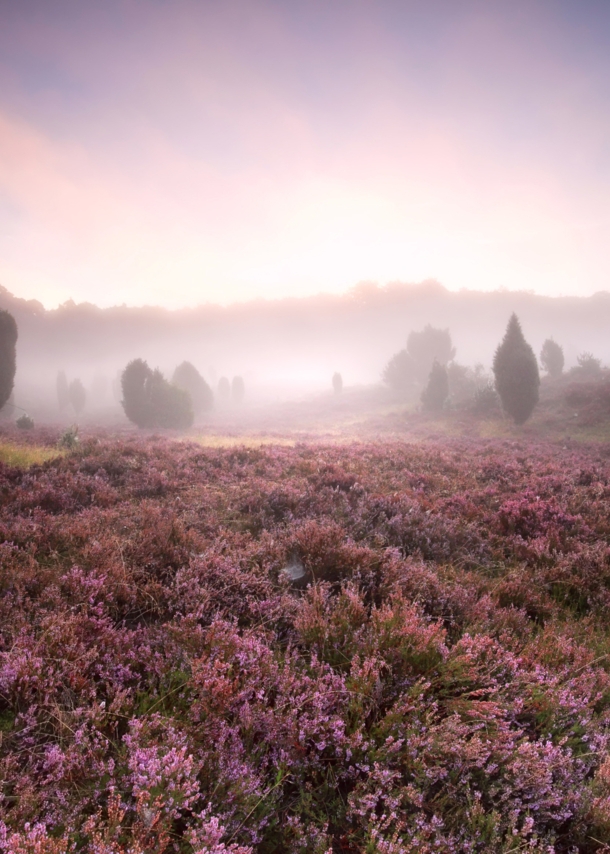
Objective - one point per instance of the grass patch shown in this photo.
(248, 441)
(24, 456)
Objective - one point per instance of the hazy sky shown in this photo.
(181, 151)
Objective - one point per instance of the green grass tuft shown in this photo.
(24, 456)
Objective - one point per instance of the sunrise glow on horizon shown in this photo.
(179, 153)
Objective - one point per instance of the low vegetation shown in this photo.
(372, 648)
(25, 455)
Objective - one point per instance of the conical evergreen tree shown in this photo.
(516, 373)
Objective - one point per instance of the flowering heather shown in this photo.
(431, 675)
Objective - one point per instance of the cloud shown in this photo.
(184, 152)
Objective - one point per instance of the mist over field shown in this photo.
(291, 347)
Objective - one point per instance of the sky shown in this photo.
(180, 152)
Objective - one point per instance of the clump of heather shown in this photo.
(434, 678)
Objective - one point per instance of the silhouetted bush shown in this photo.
(78, 395)
(63, 395)
(400, 373)
(588, 364)
(238, 389)
(413, 365)
(485, 400)
(150, 401)
(8, 358)
(590, 399)
(428, 346)
(516, 373)
(187, 377)
(171, 406)
(224, 388)
(24, 422)
(551, 358)
(435, 394)
(464, 383)
(337, 383)
(69, 439)
(136, 401)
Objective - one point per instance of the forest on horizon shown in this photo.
(298, 339)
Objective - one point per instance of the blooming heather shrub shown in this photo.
(441, 681)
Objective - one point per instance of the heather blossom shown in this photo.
(435, 680)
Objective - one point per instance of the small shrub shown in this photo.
(485, 400)
(464, 382)
(551, 358)
(588, 364)
(24, 422)
(69, 439)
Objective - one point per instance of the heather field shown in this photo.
(362, 647)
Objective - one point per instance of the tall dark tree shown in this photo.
(435, 395)
(8, 355)
(187, 377)
(150, 401)
(516, 373)
(551, 358)
(77, 395)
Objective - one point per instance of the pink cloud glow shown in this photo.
(180, 153)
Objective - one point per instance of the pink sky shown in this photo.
(183, 152)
